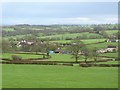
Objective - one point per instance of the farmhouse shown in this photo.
(59, 50)
(112, 48)
(112, 40)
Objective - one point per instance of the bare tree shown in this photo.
(75, 49)
(86, 52)
(95, 54)
(6, 46)
(47, 46)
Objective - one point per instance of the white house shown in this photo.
(111, 48)
(112, 40)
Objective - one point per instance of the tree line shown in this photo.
(56, 29)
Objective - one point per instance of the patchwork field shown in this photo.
(42, 76)
(57, 57)
(60, 70)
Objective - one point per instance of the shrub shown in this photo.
(15, 57)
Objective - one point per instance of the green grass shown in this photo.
(64, 57)
(113, 54)
(90, 41)
(110, 32)
(43, 76)
(16, 36)
(1, 76)
(62, 41)
(24, 56)
(86, 41)
(54, 57)
(63, 36)
(109, 62)
(8, 29)
(102, 45)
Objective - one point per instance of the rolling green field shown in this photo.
(16, 36)
(63, 36)
(110, 32)
(42, 76)
(109, 62)
(58, 57)
(64, 57)
(24, 56)
(56, 76)
(8, 29)
(86, 41)
(60, 36)
(113, 54)
(102, 45)
(54, 57)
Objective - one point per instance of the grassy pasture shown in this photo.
(62, 41)
(109, 62)
(55, 57)
(90, 41)
(110, 32)
(63, 36)
(8, 29)
(102, 45)
(64, 57)
(113, 54)
(24, 56)
(86, 41)
(17, 36)
(59, 57)
(47, 76)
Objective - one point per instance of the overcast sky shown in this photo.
(59, 13)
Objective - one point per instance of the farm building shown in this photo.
(112, 40)
(61, 51)
(112, 48)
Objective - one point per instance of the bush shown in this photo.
(15, 57)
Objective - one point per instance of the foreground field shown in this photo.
(42, 76)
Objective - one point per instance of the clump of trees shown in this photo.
(6, 47)
(86, 52)
(75, 49)
(95, 54)
(78, 49)
(57, 29)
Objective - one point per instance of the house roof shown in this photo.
(111, 46)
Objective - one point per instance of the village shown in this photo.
(109, 48)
